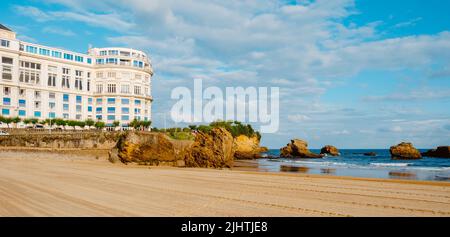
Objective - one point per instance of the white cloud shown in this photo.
(58, 31)
(297, 118)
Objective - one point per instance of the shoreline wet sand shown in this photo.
(71, 183)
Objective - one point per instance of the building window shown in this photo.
(79, 108)
(66, 97)
(37, 114)
(125, 110)
(51, 105)
(113, 52)
(6, 101)
(51, 79)
(52, 115)
(137, 102)
(22, 103)
(99, 117)
(6, 68)
(44, 52)
(79, 99)
(111, 101)
(89, 108)
(31, 49)
(51, 95)
(111, 88)
(137, 111)
(5, 112)
(66, 107)
(99, 101)
(100, 61)
(78, 117)
(6, 90)
(37, 95)
(89, 60)
(99, 110)
(22, 113)
(125, 117)
(65, 116)
(65, 83)
(103, 53)
(88, 85)
(125, 101)
(22, 92)
(90, 101)
(125, 89)
(137, 90)
(79, 59)
(4, 43)
(111, 61)
(56, 54)
(78, 80)
(68, 56)
(29, 72)
(111, 75)
(111, 110)
(37, 104)
(111, 117)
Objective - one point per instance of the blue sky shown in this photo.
(355, 74)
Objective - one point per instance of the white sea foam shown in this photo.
(391, 164)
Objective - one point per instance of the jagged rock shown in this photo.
(113, 155)
(405, 151)
(150, 149)
(211, 150)
(263, 149)
(440, 152)
(247, 147)
(330, 150)
(298, 149)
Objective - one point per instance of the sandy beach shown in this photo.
(50, 184)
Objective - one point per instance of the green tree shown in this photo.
(99, 125)
(116, 124)
(193, 127)
(72, 123)
(89, 122)
(16, 120)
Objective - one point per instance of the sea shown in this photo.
(353, 162)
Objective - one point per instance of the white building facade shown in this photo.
(106, 84)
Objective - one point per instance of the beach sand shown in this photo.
(84, 184)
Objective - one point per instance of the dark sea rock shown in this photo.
(370, 154)
(405, 151)
(330, 150)
(440, 152)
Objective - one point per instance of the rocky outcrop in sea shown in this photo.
(330, 150)
(405, 151)
(248, 148)
(440, 152)
(298, 149)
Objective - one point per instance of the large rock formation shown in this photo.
(150, 149)
(247, 147)
(405, 151)
(211, 150)
(298, 149)
(440, 152)
(330, 150)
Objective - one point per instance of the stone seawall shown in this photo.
(71, 140)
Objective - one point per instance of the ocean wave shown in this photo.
(391, 164)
